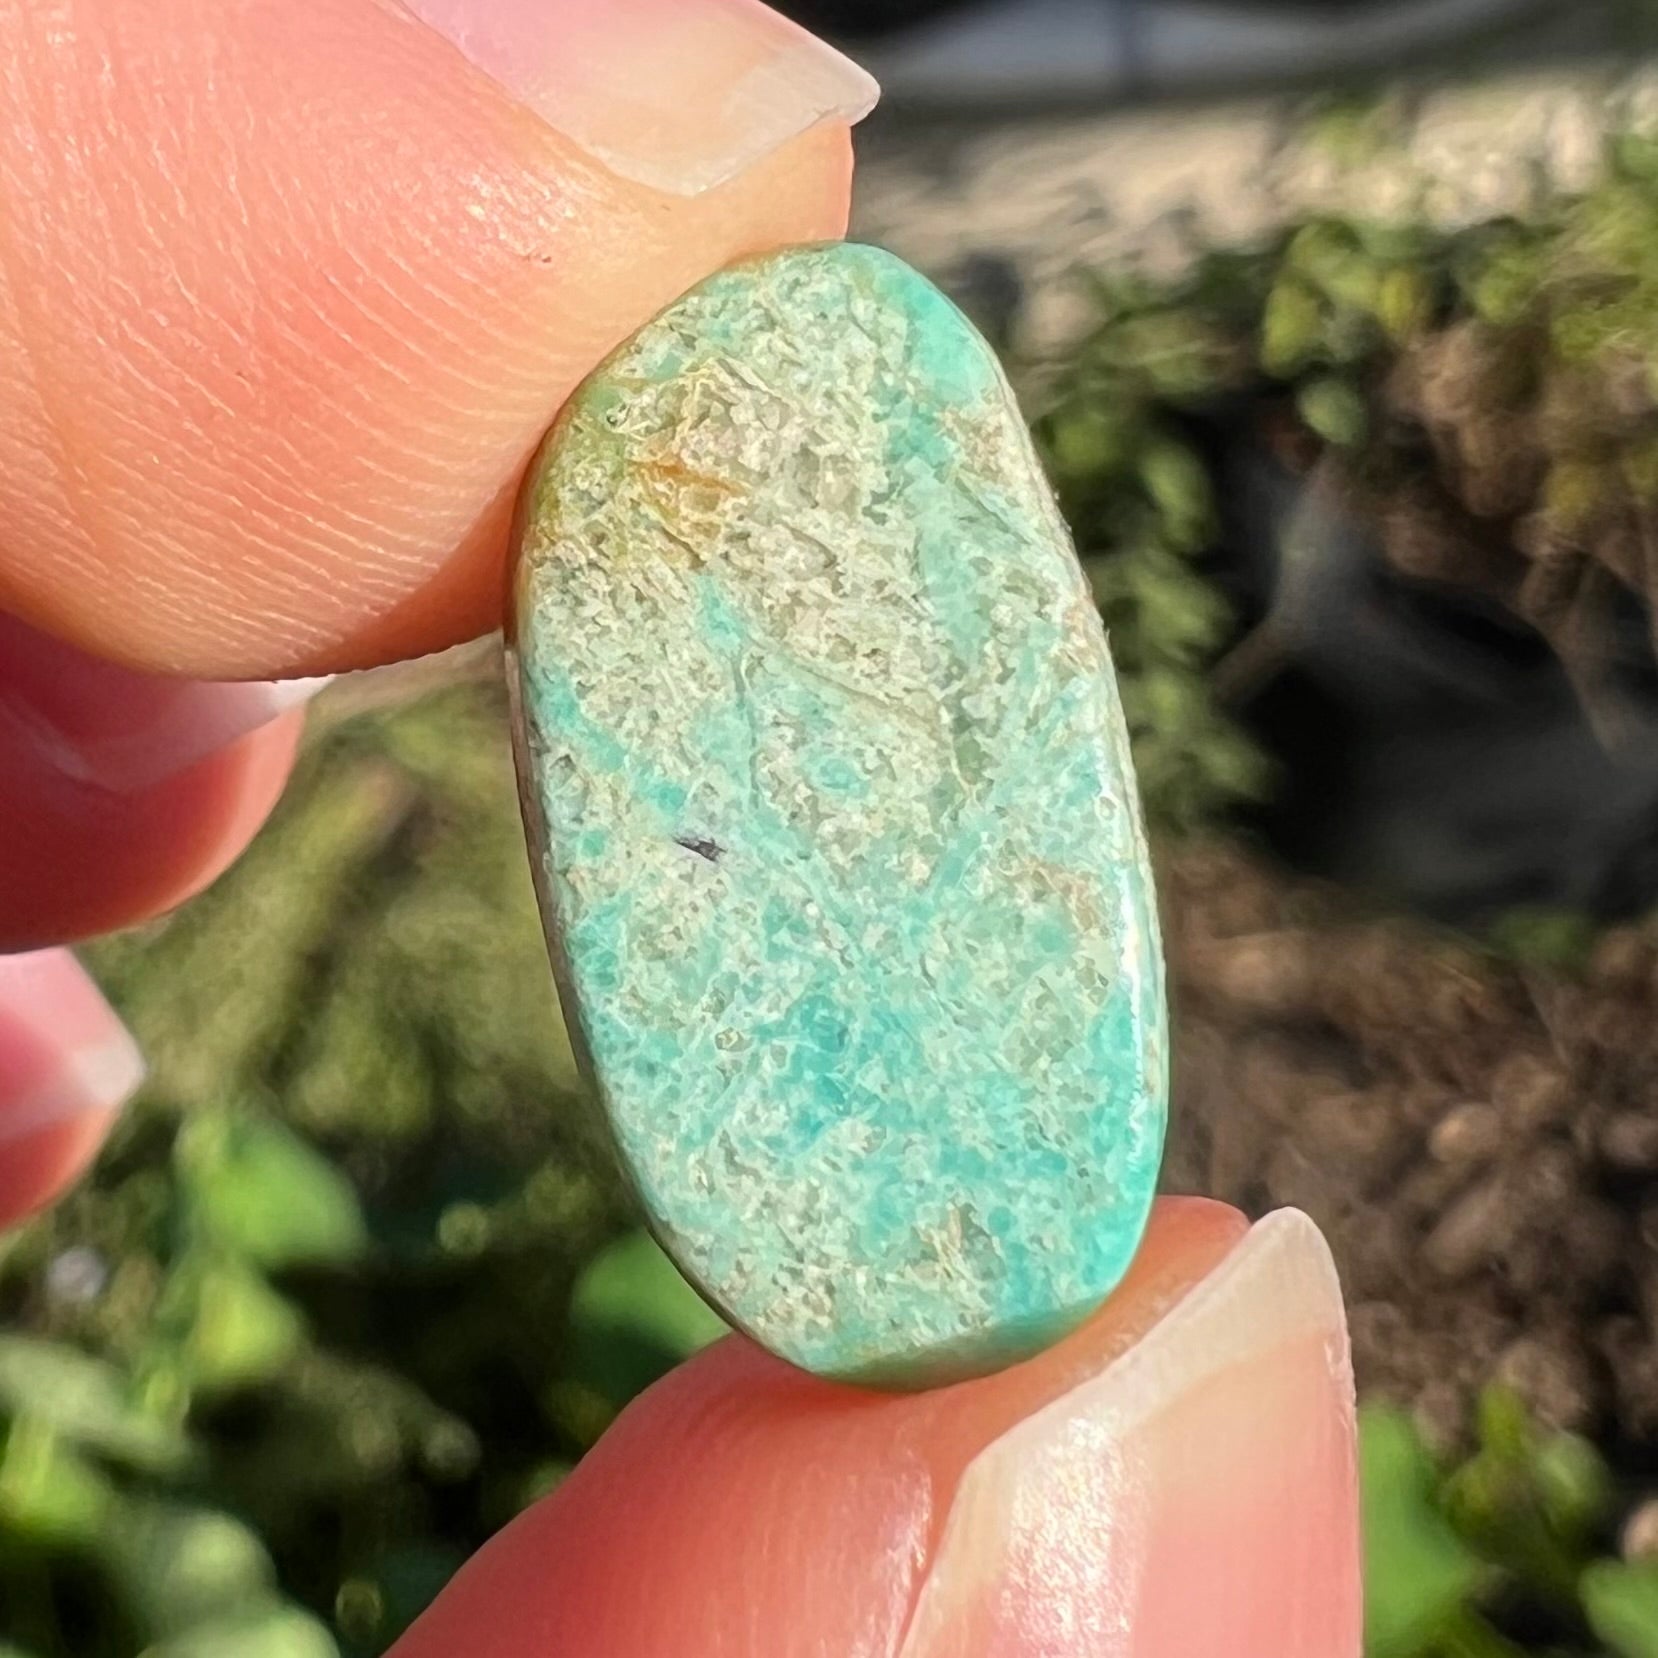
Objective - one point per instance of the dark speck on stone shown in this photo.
(711, 850)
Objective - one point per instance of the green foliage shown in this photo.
(1460, 1560)
(1139, 500)
(1529, 1501)
(1318, 311)
(1622, 1603)
(180, 1565)
(86, 1402)
(259, 1191)
(278, 1632)
(1559, 940)
(1498, 350)
(1334, 411)
(632, 1317)
(1418, 1573)
(50, 1495)
(632, 1287)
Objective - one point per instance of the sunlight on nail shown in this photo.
(677, 95)
(1224, 1438)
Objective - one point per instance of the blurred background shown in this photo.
(1337, 322)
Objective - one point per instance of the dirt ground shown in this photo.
(1475, 1137)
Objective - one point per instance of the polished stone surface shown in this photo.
(835, 827)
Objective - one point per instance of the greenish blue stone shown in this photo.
(835, 827)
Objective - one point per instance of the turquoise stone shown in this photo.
(835, 828)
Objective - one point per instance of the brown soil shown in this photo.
(1478, 1139)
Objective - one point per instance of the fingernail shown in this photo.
(64, 1053)
(115, 729)
(678, 95)
(1223, 1443)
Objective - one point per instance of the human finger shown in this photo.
(1177, 1477)
(67, 1065)
(290, 290)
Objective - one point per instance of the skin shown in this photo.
(288, 294)
(318, 472)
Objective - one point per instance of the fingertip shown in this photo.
(786, 1517)
(1221, 1442)
(67, 1065)
(322, 287)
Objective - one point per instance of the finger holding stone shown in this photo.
(1176, 1477)
(290, 289)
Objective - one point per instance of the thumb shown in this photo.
(289, 289)
(1176, 1478)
